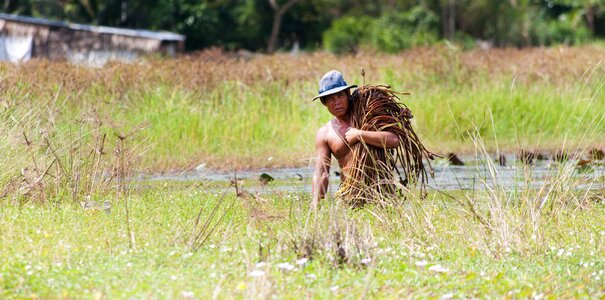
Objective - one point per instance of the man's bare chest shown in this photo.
(336, 141)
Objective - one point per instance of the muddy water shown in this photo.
(473, 175)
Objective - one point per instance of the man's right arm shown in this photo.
(321, 175)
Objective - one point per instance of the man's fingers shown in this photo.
(350, 136)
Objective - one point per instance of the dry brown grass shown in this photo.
(206, 69)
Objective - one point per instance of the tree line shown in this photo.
(340, 26)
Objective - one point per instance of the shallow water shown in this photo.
(473, 175)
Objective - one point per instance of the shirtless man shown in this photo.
(337, 136)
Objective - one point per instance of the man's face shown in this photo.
(338, 103)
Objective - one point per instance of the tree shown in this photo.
(590, 8)
(279, 12)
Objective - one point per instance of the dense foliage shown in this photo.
(339, 25)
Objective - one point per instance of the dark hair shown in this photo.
(347, 91)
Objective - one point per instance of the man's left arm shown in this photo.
(382, 139)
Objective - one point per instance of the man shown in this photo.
(337, 136)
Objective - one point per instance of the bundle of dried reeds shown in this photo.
(370, 174)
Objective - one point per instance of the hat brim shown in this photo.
(334, 91)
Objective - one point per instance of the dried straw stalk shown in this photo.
(370, 174)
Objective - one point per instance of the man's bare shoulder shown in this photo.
(323, 131)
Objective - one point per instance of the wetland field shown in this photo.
(138, 181)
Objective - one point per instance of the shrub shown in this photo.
(566, 29)
(464, 40)
(346, 34)
(398, 31)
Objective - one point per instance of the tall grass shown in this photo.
(229, 112)
(51, 159)
(70, 137)
(418, 248)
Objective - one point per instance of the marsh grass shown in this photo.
(43, 163)
(229, 112)
(523, 241)
(417, 248)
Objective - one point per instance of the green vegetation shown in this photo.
(233, 113)
(275, 247)
(386, 25)
(73, 224)
(390, 33)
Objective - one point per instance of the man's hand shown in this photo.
(353, 135)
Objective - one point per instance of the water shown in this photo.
(475, 175)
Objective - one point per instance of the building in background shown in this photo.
(22, 38)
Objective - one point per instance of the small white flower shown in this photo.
(187, 294)
(128, 265)
(334, 288)
(285, 266)
(301, 261)
(311, 276)
(270, 158)
(173, 277)
(257, 273)
(438, 269)
(447, 296)
(201, 167)
(225, 249)
(422, 263)
(366, 261)
(261, 264)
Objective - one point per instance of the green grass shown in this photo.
(175, 114)
(244, 126)
(65, 251)
(259, 113)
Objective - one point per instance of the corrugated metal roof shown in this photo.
(141, 33)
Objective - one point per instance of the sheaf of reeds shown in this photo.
(371, 173)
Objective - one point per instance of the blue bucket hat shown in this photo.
(332, 83)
